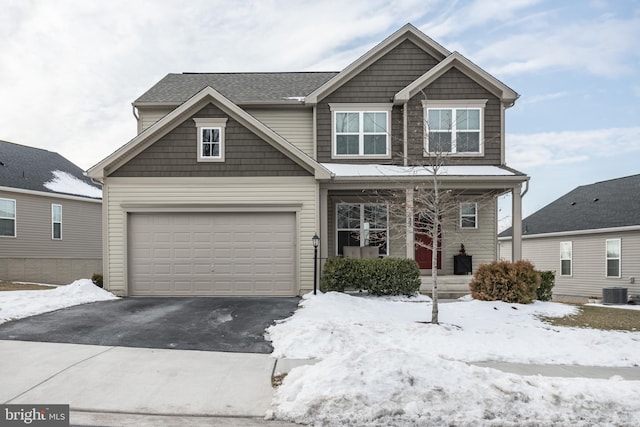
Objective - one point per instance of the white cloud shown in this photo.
(535, 99)
(525, 151)
(605, 48)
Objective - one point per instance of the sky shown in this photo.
(69, 70)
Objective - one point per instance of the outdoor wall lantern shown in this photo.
(316, 240)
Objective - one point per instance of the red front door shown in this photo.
(423, 254)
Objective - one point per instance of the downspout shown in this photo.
(526, 189)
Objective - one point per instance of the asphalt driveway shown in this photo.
(211, 324)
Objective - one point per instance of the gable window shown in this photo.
(468, 215)
(7, 218)
(211, 132)
(56, 222)
(362, 224)
(566, 258)
(454, 127)
(613, 257)
(361, 130)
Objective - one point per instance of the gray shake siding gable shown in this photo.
(175, 154)
(378, 83)
(453, 85)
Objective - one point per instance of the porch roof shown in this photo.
(379, 171)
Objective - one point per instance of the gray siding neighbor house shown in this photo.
(232, 174)
(50, 217)
(590, 237)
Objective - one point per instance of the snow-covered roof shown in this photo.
(62, 182)
(26, 168)
(374, 170)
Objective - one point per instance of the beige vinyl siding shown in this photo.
(81, 228)
(33, 255)
(588, 263)
(150, 115)
(294, 125)
(480, 243)
(221, 192)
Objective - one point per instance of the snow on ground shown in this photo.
(62, 182)
(19, 304)
(380, 363)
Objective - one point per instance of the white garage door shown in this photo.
(211, 254)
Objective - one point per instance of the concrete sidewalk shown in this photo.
(140, 386)
(97, 379)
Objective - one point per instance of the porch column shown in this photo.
(516, 218)
(411, 253)
(324, 226)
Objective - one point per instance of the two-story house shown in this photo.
(232, 174)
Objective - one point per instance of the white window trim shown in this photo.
(15, 218)
(360, 108)
(570, 259)
(619, 258)
(211, 123)
(475, 215)
(361, 240)
(54, 222)
(479, 104)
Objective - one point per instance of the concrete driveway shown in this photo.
(227, 324)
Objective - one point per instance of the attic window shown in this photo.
(210, 139)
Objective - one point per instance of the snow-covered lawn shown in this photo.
(380, 363)
(19, 304)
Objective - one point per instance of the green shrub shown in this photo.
(505, 281)
(97, 279)
(387, 276)
(548, 279)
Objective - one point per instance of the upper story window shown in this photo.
(56, 222)
(468, 215)
(613, 257)
(361, 130)
(454, 127)
(211, 142)
(566, 258)
(7, 217)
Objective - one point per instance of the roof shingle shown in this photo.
(606, 204)
(240, 88)
(29, 168)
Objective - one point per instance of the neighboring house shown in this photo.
(590, 237)
(50, 217)
(232, 174)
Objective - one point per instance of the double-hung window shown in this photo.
(454, 127)
(468, 215)
(613, 256)
(362, 224)
(56, 222)
(566, 258)
(7, 218)
(211, 132)
(361, 130)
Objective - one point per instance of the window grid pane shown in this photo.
(361, 133)
(211, 142)
(466, 127)
(362, 225)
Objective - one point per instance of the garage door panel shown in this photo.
(212, 254)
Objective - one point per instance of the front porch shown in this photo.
(449, 286)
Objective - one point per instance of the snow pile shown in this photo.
(63, 182)
(19, 304)
(381, 364)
